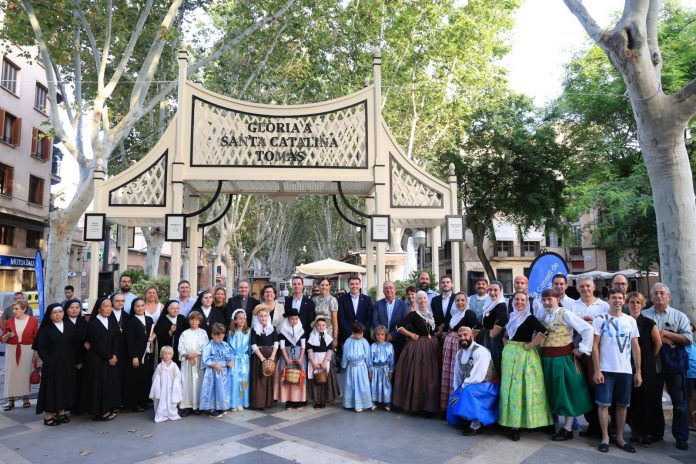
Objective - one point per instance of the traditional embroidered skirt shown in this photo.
(477, 402)
(449, 350)
(565, 386)
(523, 402)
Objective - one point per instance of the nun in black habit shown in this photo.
(55, 345)
(102, 382)
(138, 366)
(120, 316)
(169, 328)
(72, 316)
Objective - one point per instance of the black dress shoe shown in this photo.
(515, 434)
(562, 435)
(469, 432)
(682, 445)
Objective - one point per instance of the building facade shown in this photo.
(28, 168)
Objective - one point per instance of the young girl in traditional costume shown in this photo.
(292, 354)
(357, 361)
(264, 345)
(239, 339)
(319, 356)
(167, 389)
(191, 346)
(382, 369)
(217, 359)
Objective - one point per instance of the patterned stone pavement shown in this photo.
(310, 436)
(307, 436)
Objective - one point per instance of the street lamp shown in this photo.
(419, 239)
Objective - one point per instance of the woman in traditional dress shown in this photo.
(460, 316)
(646, 400)
(153, 307)
(326, 306)
(211, 315)
(319, 356)
(523, 402)
(417, 386)
(55, 345)
(169, 328)
(102, 379)
(239, 339)
(19, 334)
(140, 339)
(191, 345)
(73, 317)
(264, 345)
(495, 317)
(292, 343)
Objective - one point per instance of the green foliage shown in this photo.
(607, 174)
(136, 275)
(162, 284)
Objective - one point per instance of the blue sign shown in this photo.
(541, 273)
(38, 270)
(16, 261)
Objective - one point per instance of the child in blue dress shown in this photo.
(357, 361)
(217, 359)
(239, 339)
(382, 369)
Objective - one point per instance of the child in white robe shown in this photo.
(167, 389)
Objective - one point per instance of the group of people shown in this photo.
(521, 362)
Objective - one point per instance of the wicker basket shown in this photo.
(320, 376)
(268, 367)
(293, 373)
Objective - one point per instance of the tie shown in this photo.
(322, 342)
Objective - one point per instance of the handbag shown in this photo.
(35, 377)
(675, 360)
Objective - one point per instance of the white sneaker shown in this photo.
(387, 408)
(358, 409)
(240, 408)
(374, 408)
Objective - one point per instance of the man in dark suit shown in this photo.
(241, 300)
(389, 312)
(441, 304)
(303, 304)
(354, 307)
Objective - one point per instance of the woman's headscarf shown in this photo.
(69, 302)
(517, 317)
(428, 316)
(135, 300)
(167, 305)
(97, 305)
(47, 314)
(489, 303)
(458, 315)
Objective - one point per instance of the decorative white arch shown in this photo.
(219, 143)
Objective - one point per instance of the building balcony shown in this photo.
(576, 254)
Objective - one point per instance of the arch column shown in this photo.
(98, 181)
(369, 247)
(193, 245)
(122, 249)
(456, 246)
(435, 239)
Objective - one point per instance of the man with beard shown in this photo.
(124, 284)
(424, 284)
(475, 397)
(442, 304)
(478, 299)
(565, 383)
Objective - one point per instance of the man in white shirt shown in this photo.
(615, 342)
(588, 306)
(475, 398)
(124, 285)
(560, 284)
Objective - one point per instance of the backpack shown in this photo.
(675, 360)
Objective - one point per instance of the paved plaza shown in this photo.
(309, 436)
